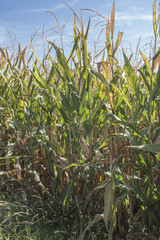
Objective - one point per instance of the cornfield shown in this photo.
(80, 142)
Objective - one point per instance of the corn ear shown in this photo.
(108, 202)
(85, 146)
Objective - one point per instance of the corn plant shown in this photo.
(85, 137)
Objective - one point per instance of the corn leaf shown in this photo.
(131, 76)
(68, 190)
(76, 41)
(108, 43)
(148, 69)
(84, 54)
(39, 79)
(156, 85)
(154, 20)
(120, 35)
(122, 95)
(87, 30)
(145, 80)
(65, 103)
(112, 19)
(155, 148)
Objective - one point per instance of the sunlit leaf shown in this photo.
(155, 20)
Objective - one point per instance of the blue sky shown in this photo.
(22, 18)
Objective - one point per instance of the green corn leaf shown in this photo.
(159, 21)
(119, 38)
(99, 107)
(98, 168)
(82, 99)
(39, 79)
(137, 191)
(120, 100)
(64, 115)
(51, 74)
(112, 19)
(100, 76)
(60, 56)
(5, 78)
(68, 190)
(145, 80)
(39, 83)
(106, 140)
(86, 34)
(108, 41)
(76, 41)
(131, 76)
(120, 199)
(157, 133)
(148, 69)
(31, 78)
(75, 100)
(154, 20)
(84, 54)
(38, 60)
(156, 55)
(65, 103)
(1, 158)
(122, 95)
(155, 148)
(156, 85)
(108, 44)
(63, 64)
(72, 165)
(19, 124)
(88, 80)
(57, 70)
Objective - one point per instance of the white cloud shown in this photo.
(73, 3)
(124, 16)
(54, 9)
(36, 10)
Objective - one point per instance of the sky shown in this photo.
(21, 19)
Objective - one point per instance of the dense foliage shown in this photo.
(79, 144)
